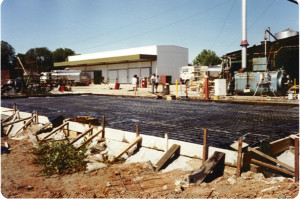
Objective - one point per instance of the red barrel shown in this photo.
(117, 86)
(144, 83)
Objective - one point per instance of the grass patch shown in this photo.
(59, 158)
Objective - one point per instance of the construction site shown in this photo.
(143, 123)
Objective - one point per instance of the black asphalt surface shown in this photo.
(183, 120)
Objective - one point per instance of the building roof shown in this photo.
(108, 60)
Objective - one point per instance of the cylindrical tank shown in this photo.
(266, 83)
(286, 33)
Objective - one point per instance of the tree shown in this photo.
(8, 56)
(41, 57)
(207, 58)
(61, 54)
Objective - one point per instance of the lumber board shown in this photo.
(272, 167)
(209, 165)
(16, 121)
(55, 130)
(271, 158)
(86, 132)
(174, 148)
(281, 145)
(131, 144)
(25, 125)
(43, 128)
(13, 119)
(239, 157)
(89, 139)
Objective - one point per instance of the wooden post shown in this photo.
(137, 130)
(239, 158)
(37, 117)
(205, 148)
(296, 159)
(103, 126)
(68, 129)
(15, 107)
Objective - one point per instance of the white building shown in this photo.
(164, 60)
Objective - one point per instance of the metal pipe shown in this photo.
(244, 42)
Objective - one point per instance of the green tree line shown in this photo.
(35, 59)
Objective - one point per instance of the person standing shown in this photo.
(152, 80)
(156, 83)
(134, 83)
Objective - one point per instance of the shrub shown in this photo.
(59, 158)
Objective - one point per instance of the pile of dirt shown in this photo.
(21, 178)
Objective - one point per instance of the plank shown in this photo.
(281, 145)
(174, 148)
(131, 144)
(11, 126)
(271, 158)
(86, 132)
(55, 130)
(89, 139)
(218, 158)
(25, 125)
(16, 121)
(271, 167)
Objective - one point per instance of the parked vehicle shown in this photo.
(70, 77)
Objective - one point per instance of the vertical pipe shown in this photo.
(239, 158)
(244, 42)
(205, 151)
(296, 159)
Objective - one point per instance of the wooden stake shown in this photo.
(103, 126)
(296, 159)
(205, 148)
(15, 107)
(167, 141)
(37, 117)
(137, 130)
(239, 158)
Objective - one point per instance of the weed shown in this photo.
(59, 158)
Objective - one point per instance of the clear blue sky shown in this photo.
(88, 26)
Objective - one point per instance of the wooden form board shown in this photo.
(271, 158)
(174, 149)
(281, 145)
(131, 144)
(197, 177)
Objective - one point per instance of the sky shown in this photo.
(89, 26)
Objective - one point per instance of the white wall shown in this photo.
(148, 50)
(170, 59)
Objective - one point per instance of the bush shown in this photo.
(59, 158)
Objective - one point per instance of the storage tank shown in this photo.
(286, 33)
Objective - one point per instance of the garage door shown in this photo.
(132, 72)
(122, 76)
(145, 72)
(112, 75)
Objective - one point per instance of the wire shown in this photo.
(158, 28)
(223, 25)
(258, 17)
(130, 24)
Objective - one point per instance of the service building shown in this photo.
(122, 65)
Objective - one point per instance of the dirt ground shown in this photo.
(20, 178)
